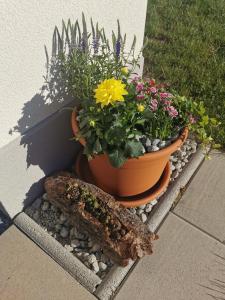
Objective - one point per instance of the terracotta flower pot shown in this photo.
(136, 175)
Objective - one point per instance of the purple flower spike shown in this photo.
(118, 47)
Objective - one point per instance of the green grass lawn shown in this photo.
(187, 49)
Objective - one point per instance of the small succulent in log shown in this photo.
(121, 234)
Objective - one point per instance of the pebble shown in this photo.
(143, 218)
(142, 206)
(178, 166)
(95, 267)
(139, 211)
(69, 248)
(172, 167)
(175, 174)
(156, 142)
(153, 202)
(148, 143)
(148, 208)
(75, 243)
(102, 266)
(45, 206)
(64, 232)
(162, 144)
(133, 210)
(155, 148)
(91, 259)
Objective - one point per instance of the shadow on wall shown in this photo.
(48, 142)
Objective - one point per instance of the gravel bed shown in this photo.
(52, 220)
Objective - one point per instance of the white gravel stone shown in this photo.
(133, 210)
(175, 174)
(142, 206)
(153, 202)
(148, 143)
(155, 148)
(156, 142)
(91, 258)
(102, 266)
(162, 144)
(178, 166)
(64, 232)
(139, 211)
(143, 218)
(45, 206)
(69, 248)
(95, 267)
(148, 208)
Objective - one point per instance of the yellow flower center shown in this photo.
(140, 107)
(110, 91)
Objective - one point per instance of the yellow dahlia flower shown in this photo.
(110, 91)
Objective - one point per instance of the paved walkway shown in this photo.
(27, 273)
(189, 258)
(188, 261)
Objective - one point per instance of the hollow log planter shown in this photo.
(119, 232)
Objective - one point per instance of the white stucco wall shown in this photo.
(26, 26)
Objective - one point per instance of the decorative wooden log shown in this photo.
(119, 232)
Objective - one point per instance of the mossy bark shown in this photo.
(119, 232)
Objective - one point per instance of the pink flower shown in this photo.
(139, 86)
(154, 104)
(165, 95)
(153, 89)
(172, 111)
(166, 102)
(140, 97)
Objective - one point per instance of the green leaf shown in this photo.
(116, 158)
(97, 146)
(134, 148)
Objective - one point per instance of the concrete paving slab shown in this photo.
(186, 264)
(26, 272)
(203, 203)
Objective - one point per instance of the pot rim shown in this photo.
(165, 151)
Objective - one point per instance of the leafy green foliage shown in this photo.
(187, 49)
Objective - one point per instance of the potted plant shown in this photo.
(128, 126)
